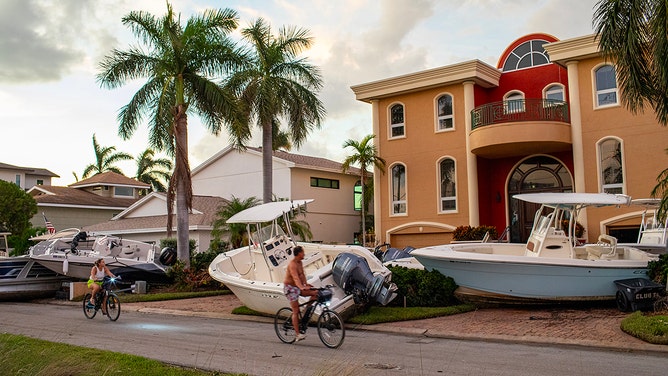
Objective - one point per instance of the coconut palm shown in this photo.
(277, 84)
(181, 65)
(280, 139)
(105, 158)
(153, 171)
(236, 232)
(633, 35)
(364, 155)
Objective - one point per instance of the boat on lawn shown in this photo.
(652, 236)
(255, 273)
(73, 252)
(551, 267)
(22, 278)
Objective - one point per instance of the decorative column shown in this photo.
(471, 161)
(376, 175)
(576, 134)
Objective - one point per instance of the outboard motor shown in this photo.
(168, 256)
(352, 273)
(80, 236)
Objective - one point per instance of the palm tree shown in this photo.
(181, 66)
(105, 158)
(277, 84)
(364, 155)
(661, 190)
(633, 35)
(235, 231)
(280, 139)
(153, 171)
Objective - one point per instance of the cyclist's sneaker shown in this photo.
(300, 337)
(90, 305)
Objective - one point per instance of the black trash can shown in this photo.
(637, 294)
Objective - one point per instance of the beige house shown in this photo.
(26, 177)
(461, 140)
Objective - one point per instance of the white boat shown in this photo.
(72, 252)
(255, 273)
(21, 278)
(652, 234)
(550, 267)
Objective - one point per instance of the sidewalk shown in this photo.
(590, 327)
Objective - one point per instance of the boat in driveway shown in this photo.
(551, 267)
(22, 279)
(255, 272)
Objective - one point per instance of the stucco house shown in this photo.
(462, 139)
(334, 216)
(26, 177)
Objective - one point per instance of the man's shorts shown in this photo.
(292, 292)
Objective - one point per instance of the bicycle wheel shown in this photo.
(88, 311)
(283, 325)
(113, 307)
(330, 329)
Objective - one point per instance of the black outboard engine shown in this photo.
(352, 273)
(80, 236)
(168, 256)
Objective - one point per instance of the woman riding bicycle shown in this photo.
(295, 286)
(97, 274)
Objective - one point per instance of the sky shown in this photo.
(51, 104)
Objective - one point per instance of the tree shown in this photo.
(16, 208)
(277, 84)
(182, 65)
(153, 171)
(661, 191)
(364, 155)
(236, 232)
(634, 35)
(105, 158)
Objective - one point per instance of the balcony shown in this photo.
(520, 127)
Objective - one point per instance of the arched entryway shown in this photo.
(540, 173)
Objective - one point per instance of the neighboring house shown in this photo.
(86, 202)
(146, 220)
(333, 216)
(26, 177)
(461, 140)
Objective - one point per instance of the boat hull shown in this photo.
(80, 266)
(22, 279)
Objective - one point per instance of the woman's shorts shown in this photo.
(90, 282)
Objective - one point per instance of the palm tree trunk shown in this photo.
(267, 173)
(183, 186)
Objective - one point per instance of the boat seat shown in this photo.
(605, 248)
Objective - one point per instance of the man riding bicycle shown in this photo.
(295, 286)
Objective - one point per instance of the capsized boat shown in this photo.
(255, 273)
(22, 278)
(550, 267)
(73, 252)
(653, 234)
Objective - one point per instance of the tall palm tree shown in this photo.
(277, 84)
(364, 155)
(633, 34)
(105, 158)
(280, 139)
(661, 191)
(181, 65)
(153, 171)
(236, 232)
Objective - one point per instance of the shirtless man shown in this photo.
(295, 285)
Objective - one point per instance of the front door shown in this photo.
(534, 174)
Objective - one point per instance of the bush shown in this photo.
(468, 233)
(422, 288)
(197, 276)
(657, 270)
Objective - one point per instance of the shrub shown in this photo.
(422, 288)
(657, 270)
(197, 276)
(473, 233)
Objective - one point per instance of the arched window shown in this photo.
(606, 86)
(528, 54)
(611, 165)
(514, 102)
(398, 189)
(357, 195)
(554, 94)
(448, 193)
(444, 112)
(397, 121)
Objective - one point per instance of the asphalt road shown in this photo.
(253, 348)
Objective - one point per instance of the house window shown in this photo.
(526, 55)
(514, 103)
(17, 180)
(398, 189)
(606, 86)
(324, 183)
(448, 193)
(357, 196)
(444, 112)
(397, 121)
(123, 192)
(40, 182)
(611, 165)
(554, 94)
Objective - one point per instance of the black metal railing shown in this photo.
(519, 110)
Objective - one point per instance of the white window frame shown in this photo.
(597, 92)
(441, 198)
(394, 202)
(508, 108)
(444, 117)
(554, 88)
(603, 187)
(392, 126)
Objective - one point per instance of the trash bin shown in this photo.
(637, 294)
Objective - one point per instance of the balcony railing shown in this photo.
(518, 110)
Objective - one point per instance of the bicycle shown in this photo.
(106, 296)
(330, 325)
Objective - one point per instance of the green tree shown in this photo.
(153, 171)
(105, 159)
(16, 208)
(280, 138)
(182, 66)
(365, 155)
(277, 84)
(661, 191)
(235, 232)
